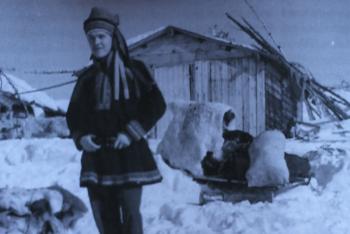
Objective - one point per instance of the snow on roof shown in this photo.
(143, 36)
(134, 40)
(230, 42)
(40, 98)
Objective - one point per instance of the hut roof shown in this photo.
(143, 39)
(151, 35)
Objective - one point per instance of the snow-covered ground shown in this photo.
(172, 206)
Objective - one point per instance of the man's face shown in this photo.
(100, 41)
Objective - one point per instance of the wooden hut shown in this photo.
(189, 66)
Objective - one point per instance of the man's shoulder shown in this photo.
(84, 72)
(142, 72)
(138, 64)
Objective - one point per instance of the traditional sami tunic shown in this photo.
(134, 116)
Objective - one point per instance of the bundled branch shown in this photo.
(311, 89)
(329, 101)
(265, 46)
(338, 97)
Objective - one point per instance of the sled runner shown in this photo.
(221, 189)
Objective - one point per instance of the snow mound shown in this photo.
(325, 162)
(35, 163)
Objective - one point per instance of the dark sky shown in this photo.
(48, 34)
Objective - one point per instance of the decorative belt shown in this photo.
(104, 142)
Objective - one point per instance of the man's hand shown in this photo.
(122, 141)
(88, 144)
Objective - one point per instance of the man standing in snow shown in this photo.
(114, 103)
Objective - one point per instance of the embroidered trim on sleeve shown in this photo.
(135, 130)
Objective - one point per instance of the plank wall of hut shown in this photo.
(190, 67)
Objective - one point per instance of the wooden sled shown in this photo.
(221, 189)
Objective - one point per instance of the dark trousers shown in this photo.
(116, 209)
